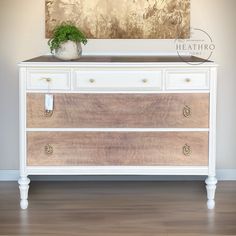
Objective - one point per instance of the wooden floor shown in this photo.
(117, 208)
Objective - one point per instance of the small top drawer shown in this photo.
(118, 80)
(188, 80)
(44, 79)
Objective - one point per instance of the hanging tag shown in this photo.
(48, 102)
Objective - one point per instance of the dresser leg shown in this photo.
(211, 182)
(24, 188)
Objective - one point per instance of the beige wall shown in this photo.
(22, 37)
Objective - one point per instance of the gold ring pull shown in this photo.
(48, 149)
(92, 81)
(145, 81)
(187, 80)
(187, 150)
(187, 111)
(48, 113)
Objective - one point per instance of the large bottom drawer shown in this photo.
(117, 148)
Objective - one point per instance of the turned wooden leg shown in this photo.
(211, 182)
(24, 188)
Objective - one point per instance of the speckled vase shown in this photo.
(69, 51)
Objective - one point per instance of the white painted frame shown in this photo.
(209, 68)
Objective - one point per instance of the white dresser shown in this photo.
(118, 116)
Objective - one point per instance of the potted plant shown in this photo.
(66, 42)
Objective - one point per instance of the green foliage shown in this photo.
(65, 32)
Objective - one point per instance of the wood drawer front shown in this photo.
(118, 80)
(120, 111)
(44, 79)
(117, 148)
(177, 80)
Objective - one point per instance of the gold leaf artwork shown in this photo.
(122, 19)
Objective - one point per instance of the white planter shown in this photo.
(69, 51)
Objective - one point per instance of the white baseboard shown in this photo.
(9, 175)
(222, 175)
(226, 174)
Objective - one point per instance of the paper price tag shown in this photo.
(48, 102)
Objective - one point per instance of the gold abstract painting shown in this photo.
(122, 19)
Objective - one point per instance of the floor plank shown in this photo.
(118, 208)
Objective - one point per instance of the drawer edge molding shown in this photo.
(177, 79)
(117, 129)
(105, 80)
(118, 149)
(49, 79)
(118, 170)
(119, 111)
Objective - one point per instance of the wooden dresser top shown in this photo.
(123, 59)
